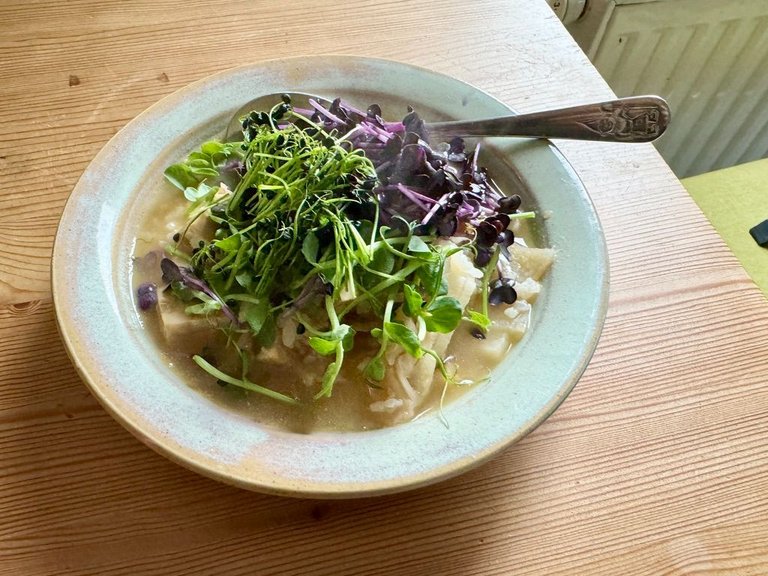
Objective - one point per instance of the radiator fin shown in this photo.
(711, 64)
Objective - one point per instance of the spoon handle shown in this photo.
(633, 119)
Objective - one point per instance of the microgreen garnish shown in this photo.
(325, 213)
(208, 162)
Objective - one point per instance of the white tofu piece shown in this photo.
(184, 333)
(495, 346)
(533, 262)
(528, 289)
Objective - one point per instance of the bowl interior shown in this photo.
(119, 362)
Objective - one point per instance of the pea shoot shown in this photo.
(323, 213)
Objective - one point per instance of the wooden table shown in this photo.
(656, 464)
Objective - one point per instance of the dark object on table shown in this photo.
(760, 233)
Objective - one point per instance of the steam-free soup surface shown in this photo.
(294, 370)
(334, 271)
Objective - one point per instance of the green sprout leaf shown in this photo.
(322, 346)
(193, 194)
(443, 314)
(374, 370)
(229, 244)
(478, 318)
(431, 276)
(255, 314)
(348, 339)
(310, 247)
(412, 301)
(199, 165)
(203, 309)
(180, 176)
(268, 333)
(417, 246)
(405, 337)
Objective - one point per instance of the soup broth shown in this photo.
(292, 368)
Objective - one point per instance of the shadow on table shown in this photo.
(80, 495)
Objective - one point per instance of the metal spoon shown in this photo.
(633, 119)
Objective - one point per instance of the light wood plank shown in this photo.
(654, 465)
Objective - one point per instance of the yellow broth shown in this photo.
(300, 373)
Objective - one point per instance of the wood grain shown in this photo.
(127, 57)
(656, 463)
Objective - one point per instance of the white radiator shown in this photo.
(708, 58)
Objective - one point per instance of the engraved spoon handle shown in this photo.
(633, 119)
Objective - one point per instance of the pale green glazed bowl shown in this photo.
(117, 360)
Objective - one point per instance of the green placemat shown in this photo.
(736, 199)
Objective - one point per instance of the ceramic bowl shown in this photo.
(117, 359)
